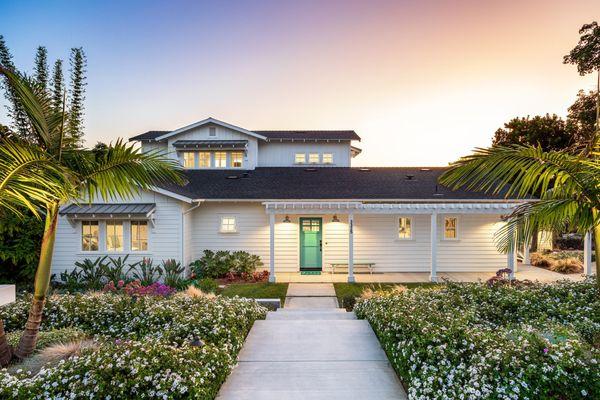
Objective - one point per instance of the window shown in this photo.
(228, 225)
(212, 131)
(450, 226)
(220, 159)
(188, 159)
(139, 235)
(204, 159)
(114, 236)
(236, 159)
(313, 158)
(300, 158)
(404, 228)
(327, 158)
(89, 235)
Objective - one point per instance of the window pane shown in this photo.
(236, 159)
(327, 158)
(300, 158)
(89, 235)
(450, 228)
(404, 228)
(204, 159)
(220, 159)
(114, 236)
(139, 235)
(188, 159)
(228, 224)
(313, 158)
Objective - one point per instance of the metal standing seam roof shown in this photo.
(108, 209)
(211, 144)
(321, 135)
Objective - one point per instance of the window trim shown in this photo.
(81, 236)
(114, 222)
(235, 224)
(456, 228)
(131, 223)
(412, 229)
(303, 158)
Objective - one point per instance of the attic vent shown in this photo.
(310, 169)
(364, 169)
(410, 177)
(232, 177)
(425, 169)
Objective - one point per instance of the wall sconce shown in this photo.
(287, 219)
(335, 218)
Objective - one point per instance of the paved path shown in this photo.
(311, 349)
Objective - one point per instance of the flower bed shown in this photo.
(178, 347)
(472, 341)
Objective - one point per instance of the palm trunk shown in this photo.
(40, 289)
(5, 349)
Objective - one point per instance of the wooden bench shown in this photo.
(358, 265)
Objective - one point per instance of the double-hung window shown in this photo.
(220, 159)
(450, 228)
(114, 236)
(236, 159)
(189, 159)
(300, 158)
(404, 228)
(89, 235)
(313, 158)
(204, 159)
(139, 235)
(327, 158)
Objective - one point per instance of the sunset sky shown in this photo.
(422, 82)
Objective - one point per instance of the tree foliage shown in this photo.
(78, 64)
(41, 67)
(586, 55)
(57, 89)
(14, 109)
(581, 118)
(549, 132)
(20, 238)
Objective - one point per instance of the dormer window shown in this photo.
(220, 159)
(313, 158)
(300, 158)
(189, 159)
(212, 131)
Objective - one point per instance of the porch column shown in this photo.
(587, 254)
(271, 247)
(526, 253)
(511, 260)
(351, 248)
(433, 266)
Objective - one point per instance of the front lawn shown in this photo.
(256, 290)
(476, 341)
(347, 293)
(142, 346)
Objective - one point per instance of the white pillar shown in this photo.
(511, 260)
(351, 248)
(271, 247)
(433, 273)
(526, 253)
(587, 254)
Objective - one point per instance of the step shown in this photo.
(304, 310)
(312, 315)
(348, 380)
(311, 302)
(297, 340)
(310, 289)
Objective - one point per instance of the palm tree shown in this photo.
(119, 171)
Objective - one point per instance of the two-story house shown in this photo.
(294, 199)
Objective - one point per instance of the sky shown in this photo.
(423, 82)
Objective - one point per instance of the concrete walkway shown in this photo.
(311, 349)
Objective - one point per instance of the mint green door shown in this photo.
(311, 247)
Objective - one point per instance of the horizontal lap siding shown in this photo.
(164, 239)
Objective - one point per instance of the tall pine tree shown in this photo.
(58, 85)
(77, 95)
(41, 67)
(20, 121)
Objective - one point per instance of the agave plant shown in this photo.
(52, 171)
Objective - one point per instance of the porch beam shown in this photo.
(351, 248)
(433, 239)
(587, 254)
(272, 248)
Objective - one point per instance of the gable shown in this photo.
(206, 123)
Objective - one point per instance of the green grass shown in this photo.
(256, 290)
(345, 290)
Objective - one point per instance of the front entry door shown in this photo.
(311, 244)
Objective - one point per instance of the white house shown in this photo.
(292, 198)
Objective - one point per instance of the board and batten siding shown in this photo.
(164, 239)
(282, 154)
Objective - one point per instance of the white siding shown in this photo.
(146, 147)
(282, 154)
(164, 239)
(202, 133)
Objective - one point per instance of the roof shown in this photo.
(109, 209)
(324, 183)
(272, 135)
(211, 144)
(309, 135)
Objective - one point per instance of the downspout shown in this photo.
(183, 214)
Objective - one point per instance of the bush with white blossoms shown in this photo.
(471, 341)
(150, 347)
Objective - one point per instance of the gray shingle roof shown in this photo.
(108, 209)
(150, 135)
(276, 135)
(297, 183)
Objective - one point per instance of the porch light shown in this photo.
(335, 218)
(287, 219)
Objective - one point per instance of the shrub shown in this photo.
(146, 272)
(212, 264)
(348, 302)
(47, 338)
(567, 266)
(478, 342)
(173, 274)
(244, 263)
(207, 285)
(115, 270)
(540, 260)
(92, 272)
